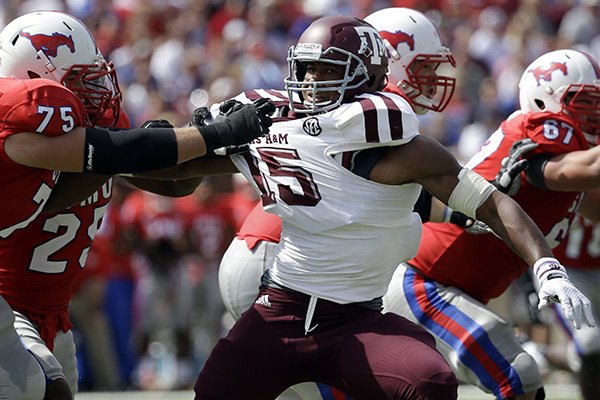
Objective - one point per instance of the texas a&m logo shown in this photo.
(544, 72)
(49, 44)
(371, 44)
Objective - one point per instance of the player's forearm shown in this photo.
(104, 151)
(508, 220)
(574, 172)
(198, 167)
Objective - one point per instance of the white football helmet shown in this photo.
(421, 67)
(564, 81)
(59, 47)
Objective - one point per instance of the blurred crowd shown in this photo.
(149, 303)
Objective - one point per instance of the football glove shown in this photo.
(223, 137)
(555, 287)
(508, 179)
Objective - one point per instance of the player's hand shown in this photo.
(241, 124)
(555, 287)
(508, 179)
(157, 123)
(200, 117)
(469, 224)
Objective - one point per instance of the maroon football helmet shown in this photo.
(339, 40)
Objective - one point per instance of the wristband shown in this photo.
(549, 268)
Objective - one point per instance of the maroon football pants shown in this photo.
(360, 351)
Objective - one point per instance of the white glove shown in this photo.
(555, 287)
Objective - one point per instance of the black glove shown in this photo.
(241, 124)
(201, 117)
(508, 179)
(157, 123)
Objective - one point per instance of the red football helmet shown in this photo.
(339, 40)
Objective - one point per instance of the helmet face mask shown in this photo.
(567, 82)
(582, 103)
(430, 82)
(96, 86)
(422, 68)
(347, 44)
(59, 47)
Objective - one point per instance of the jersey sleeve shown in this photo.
(554, 134)
(381, 119)
(44, 107)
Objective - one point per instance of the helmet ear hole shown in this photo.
(540, 104)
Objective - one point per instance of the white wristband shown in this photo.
(548, 268)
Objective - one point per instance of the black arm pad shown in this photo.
(133, 150)
(535, 172)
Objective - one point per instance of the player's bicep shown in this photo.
(64, 153)
(434, 168)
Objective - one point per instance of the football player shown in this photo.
(419, 60)
(446, 291)
(343, 166)
(55, 86)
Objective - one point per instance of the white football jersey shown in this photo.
(343, 235)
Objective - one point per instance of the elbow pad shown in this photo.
(112, 152)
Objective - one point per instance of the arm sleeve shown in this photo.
(136, 150)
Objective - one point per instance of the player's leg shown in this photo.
(479, 345)
(370, 355)
(586, 341)
(21, 376)
(58, 387)
(252, 361)
(239, 279)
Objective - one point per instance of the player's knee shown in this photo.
(528, 372)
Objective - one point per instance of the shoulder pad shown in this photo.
(384, 118)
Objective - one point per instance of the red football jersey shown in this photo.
(210, 224)
(482, 265)
(581, 248)
(39, 265)
(260, 226)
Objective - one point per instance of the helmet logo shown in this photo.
(371, 44)
(544, 72)
(395, 38)
(49, 44)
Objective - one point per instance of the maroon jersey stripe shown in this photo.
(394, 117)
(252, 95)
(371, 125)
